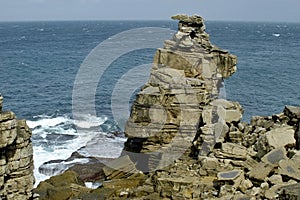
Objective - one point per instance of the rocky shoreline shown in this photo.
(184, 141)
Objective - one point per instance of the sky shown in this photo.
(226, 10)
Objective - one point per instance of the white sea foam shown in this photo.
(47, 121)
(89, 121)
(45, 150)
(276, 34)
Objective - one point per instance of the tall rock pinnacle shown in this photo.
(186, 76)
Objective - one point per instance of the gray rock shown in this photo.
(275, 156)
(230, 175)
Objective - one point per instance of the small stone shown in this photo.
(245, 185)
(275, 179)
(255, 191)
(235, 176)
(264, 186)
(230, 175)
(209, 163)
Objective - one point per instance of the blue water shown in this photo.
(39, 62)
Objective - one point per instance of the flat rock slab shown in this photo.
(289, 168)
(229, 175)
(275, 156)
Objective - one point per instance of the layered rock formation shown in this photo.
(185, 78)
(190, 143)
(16, 158)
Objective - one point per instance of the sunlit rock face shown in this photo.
(185, 79)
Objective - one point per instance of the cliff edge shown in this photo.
(16, 158)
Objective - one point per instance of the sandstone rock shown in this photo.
(185, 77)
(260, 171)
(292, 112)
(245, 185)
(122, 167)
(289, 168)
(232, 150)
(16, 158)
(275, 179)
(228, 111)
(235, 176)
(8, 129)
(281, 137)
(275, 156)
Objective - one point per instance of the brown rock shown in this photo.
(261, 171)
(121, 167)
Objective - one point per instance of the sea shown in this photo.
(40, 63)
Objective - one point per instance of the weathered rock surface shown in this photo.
(16, 157)
(185, 80)
(192, 145)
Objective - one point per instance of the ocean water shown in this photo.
(39, 62)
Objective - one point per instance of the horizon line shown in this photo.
(167, 20)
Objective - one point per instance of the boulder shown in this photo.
(281, 137)
(292, 112)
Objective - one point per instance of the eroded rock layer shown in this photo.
(16, 158)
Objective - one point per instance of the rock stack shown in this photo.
(185, 79)
(16, 158)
